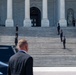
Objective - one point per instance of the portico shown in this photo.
(52, 12)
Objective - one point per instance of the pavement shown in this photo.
(54, 70)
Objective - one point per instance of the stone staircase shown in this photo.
(44, 45)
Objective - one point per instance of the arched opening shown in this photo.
(35, 16)
(70, 17)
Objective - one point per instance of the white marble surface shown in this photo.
(54, 70)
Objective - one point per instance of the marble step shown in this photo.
(38, 31)
(54, 60)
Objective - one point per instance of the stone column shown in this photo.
(9, 21)
(61, 9)
(45, 21)
(27, 21)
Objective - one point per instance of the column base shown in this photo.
(9, 23)
(27, 23)
(63, 23)
(45, 23)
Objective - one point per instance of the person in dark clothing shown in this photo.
(58, 28)
(16, 28)
(16, 34)
(16, 41)
(61, 35)
(21, 63)
(64, 42)
(73, 22)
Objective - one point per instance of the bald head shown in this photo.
(22, 45)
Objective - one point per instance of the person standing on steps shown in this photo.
(16, 40)
(16, 28)
(58, 28)
(64, 42)
(61, 35)
(16, 33)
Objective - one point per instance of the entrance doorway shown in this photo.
(35, 16)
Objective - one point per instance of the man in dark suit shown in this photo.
(16, 28)
(61, 35)
(21, 63)
(58, 28)
(64, 42)
(16, 40)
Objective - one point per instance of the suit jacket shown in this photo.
(20, 64)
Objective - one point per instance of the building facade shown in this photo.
(37, 13)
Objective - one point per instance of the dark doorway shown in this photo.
(35, 16)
